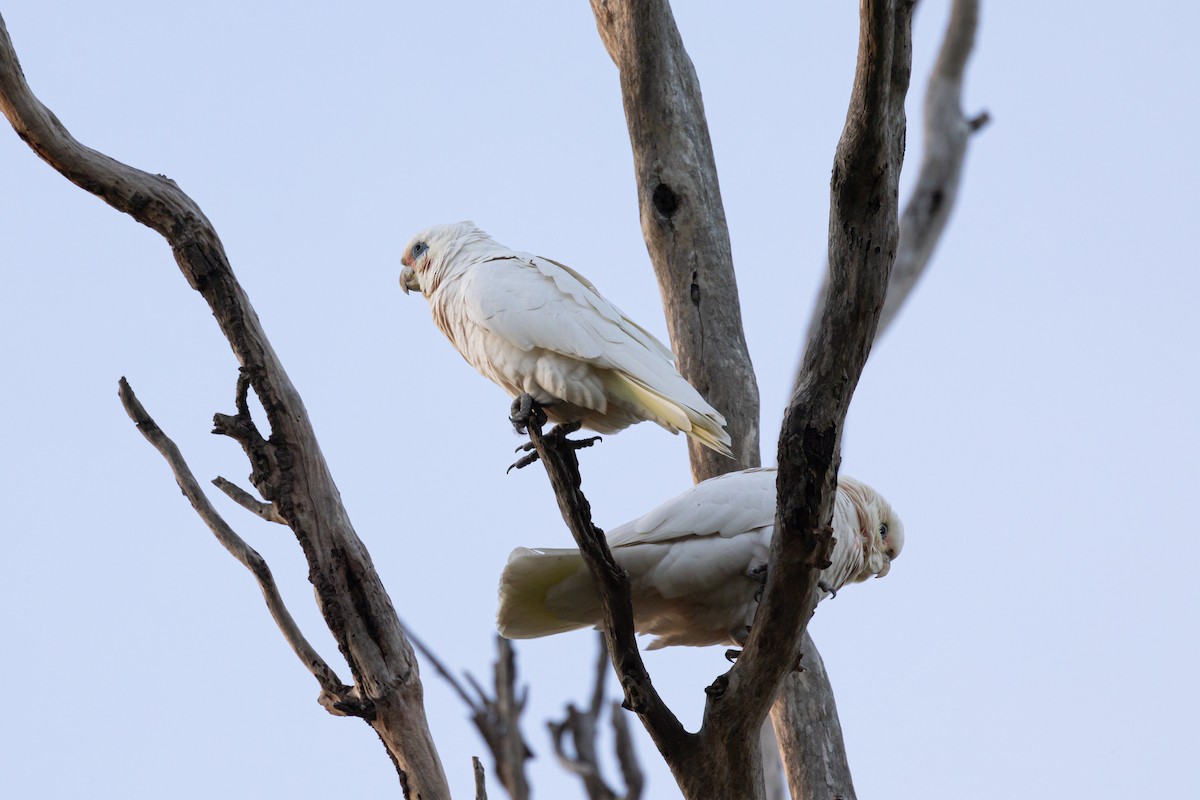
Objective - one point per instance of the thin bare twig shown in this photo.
(336, 696)
(480, 781)
(582, 728)
(498, 717)
(631, 770)
(247, 501)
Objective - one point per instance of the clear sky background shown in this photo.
(1031, 415)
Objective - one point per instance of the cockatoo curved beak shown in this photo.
(408, 280)
(887, 567)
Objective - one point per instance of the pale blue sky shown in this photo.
(1030, 416)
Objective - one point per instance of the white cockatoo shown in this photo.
(696, 563)
(537, 327)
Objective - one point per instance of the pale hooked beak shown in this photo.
(408, 280)
(887, 566)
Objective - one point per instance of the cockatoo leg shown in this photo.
(525, 410)
(558, 432)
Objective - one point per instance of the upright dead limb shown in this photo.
(289, 470)
(683, 219)
(666, 124)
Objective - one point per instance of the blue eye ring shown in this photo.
(418, 249)
(883, 530)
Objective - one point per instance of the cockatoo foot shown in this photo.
(525, 410)
(557, 432)
(825, 587)
(732, 654)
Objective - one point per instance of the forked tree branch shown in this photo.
(863, 233)
(289, 469)
(805, 715)
(497, 717)
(669, 137)
(683, 220)
(336, 696)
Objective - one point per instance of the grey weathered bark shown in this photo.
(288, 467)
(724, 759)
(863, 233)
(669, 136)
(335, 696)
(815, 761)
(809, 732)
(683, 220)
(947, 133)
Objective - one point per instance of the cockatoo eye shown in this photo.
(883, 530)
(418, 249)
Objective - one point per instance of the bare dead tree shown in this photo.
(669, 136)
(289, 470)
(684, 226)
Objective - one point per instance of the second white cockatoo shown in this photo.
(696, 563)
(537, 327)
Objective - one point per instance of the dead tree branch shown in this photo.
(805, 717)
(247, 501)
(582, 726)
(480, 779)
(683, 219)
(498, 717)
(809, 732)
(863, 233)
(336, 696)
(289, 469)
(947, 133)
(612, 586)
(631, 771)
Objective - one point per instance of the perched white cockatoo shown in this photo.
(695, 563)
(537, 327)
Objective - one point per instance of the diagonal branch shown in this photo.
(247, 501)
(335, 696)
(612, 586)
(289, 469)
(815, 762)
(683, 219)
(863, 231)
(947, 134)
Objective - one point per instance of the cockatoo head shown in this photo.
(881, 530)
(430, 253)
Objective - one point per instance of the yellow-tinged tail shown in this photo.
(707, 428)
(528, 578)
